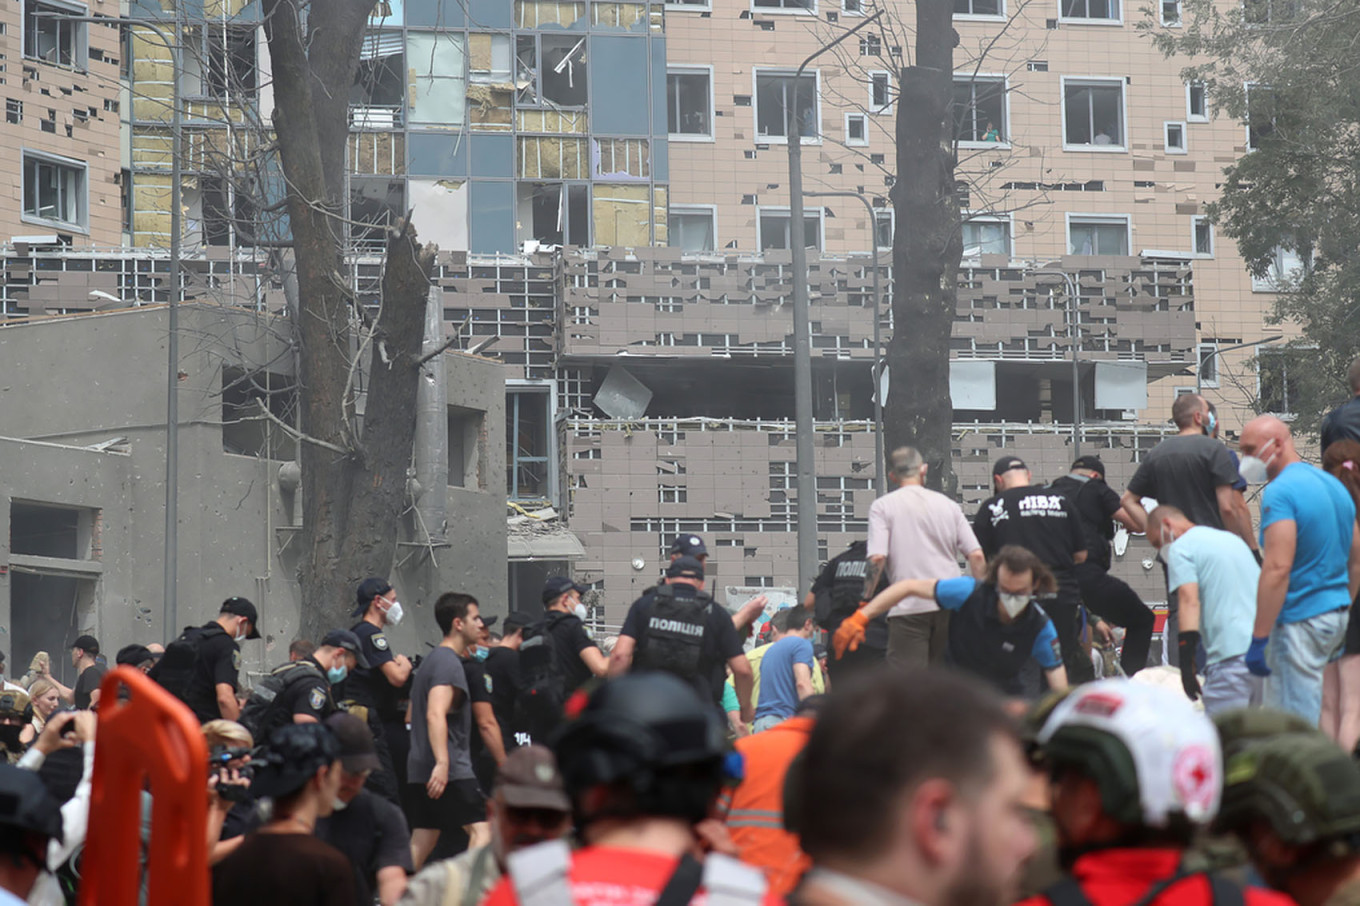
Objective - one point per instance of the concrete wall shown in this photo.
(79, 381)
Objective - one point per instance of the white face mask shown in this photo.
(1253, 469)
(580, 610)
(394, 613)
(1013, 604)
(339, 804)
(241, 633)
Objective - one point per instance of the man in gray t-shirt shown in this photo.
(442, 790)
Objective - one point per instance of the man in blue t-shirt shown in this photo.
(786, 671)
(1214, 576)
(996, 625)
(1311, 569)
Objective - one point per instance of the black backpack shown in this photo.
(264, 713)
(543, 681)
(178, 667)
(673, 638)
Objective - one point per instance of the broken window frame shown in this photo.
(775, 214)
(695, 213)
(517, 422)
(811, 123)
(378, 69)
(1071, 97)
(673, 97)
(530, 78)
(67, 43)
(368, 234)
(220, 62)
(69, 207)
(422, 107)
(231, 219)
(1095, 223)
(570, 229)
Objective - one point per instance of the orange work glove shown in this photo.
(850, 633)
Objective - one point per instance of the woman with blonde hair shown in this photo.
(45, 698)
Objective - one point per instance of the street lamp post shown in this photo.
(880, 481)
(1204, 360)
(806, 473)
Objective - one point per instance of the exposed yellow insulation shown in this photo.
(622, 214)
(536, 13)
(617, 14)
(550, 157)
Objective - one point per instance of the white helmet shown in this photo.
(1150, 752)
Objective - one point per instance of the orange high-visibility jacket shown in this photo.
(755, 817)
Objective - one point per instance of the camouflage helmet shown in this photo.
(14, 705)
(1244, 726)
(1301, 783)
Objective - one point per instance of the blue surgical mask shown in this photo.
(481, 653)
(337, 674)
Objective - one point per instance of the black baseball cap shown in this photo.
(241, 607)
(689, 546)
(86, 643)
(685, 567)
(1006, 464)
(516, 619)
(343, 638)
(357, 751)
(369, 589)
(1090, 462)
(556, 586)
(132, 655)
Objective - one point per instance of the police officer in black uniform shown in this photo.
(678, 628)
(689, 546)
(502, 670)
(203, 666)
(380, 686)
(1045, 523)
(835, 594)
(300, 691)
(1103, 594)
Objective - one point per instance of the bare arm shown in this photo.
(744, 681)
(1057, 678)
(304, 719)
(1079, 557)
(872, 575)
(802, 680)
(1188, 595)
(977, 564)
(621, 658)
(442, 700)
(1281, 539)
(1236, 518)
(884, 600)
(391, 884)
(1122, 516)
(595, 661)
(747, 613)
(66, 692)
(227, 705)
(1132, 505)
(490, 730)
(397, 670)
(1354, 565)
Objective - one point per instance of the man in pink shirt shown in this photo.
(917, 533)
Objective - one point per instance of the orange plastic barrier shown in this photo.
(151, 737)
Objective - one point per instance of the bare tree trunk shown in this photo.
(926, 250)
(353, 483)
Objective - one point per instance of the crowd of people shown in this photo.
(926, 726)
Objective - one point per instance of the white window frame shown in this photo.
(1286, 262)
(857, 142)
(694, 69)
(1205, 352)
(515, 386)
(874, 76)
(1246, 125)
(852, 7)
(763, 210)
(1195, 221)
(1166, 137)
(1005, 107)
(80, 34)
(1161, 11)
(1083, 217)
(83, 193)
(778, 11)
(710, 209)
(1273, 350)
(989, 217)
(703, 6)
(1084, 20)
(1190, 115)
(984, 17)
(1097, 82)
(756, 73)
(891, 213)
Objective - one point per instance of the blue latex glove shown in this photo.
(1256, 656)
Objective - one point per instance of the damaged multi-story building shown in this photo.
(611, 179)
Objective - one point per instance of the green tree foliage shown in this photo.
(1287, 69)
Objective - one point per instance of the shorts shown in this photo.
(463, 803)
